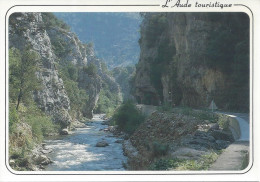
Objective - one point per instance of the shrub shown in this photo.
(13, 119)
(128, 117)
(41, 124)
(183, 164)
(107, 102)
(165, 164)
(160, 149)
(91, 69)
(223, 122)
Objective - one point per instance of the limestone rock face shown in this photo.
(190, 37)
(27, 29)
(75, 52)
(184, 77)
(30, 29)
(82, 56)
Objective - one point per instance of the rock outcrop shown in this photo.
(58, 48)
(82, 55)
(178, 64)
(27, 29)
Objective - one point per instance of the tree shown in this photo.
(22, 78)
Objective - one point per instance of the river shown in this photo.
(78, 151)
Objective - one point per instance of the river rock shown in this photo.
(213, 126)
(11, 162)
(46, 151)
(102, 144)
(222, 144)
(119, 141)
(42, 160)
(64, 131)
(222, 135)
(129, 150)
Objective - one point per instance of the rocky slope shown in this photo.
(185, 135)
(193, 58)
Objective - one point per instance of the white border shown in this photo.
(127, 9)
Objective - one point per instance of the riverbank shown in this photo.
(182, 139)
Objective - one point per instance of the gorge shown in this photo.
(154, 110)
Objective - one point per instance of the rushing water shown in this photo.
(77, 152)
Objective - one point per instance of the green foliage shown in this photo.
(165, 107)
(27, 127)
(73, 72)
(91, 69)
(107, 101)
(41, 124)
(223, 122)
(22, 78)
(60, 46)
(13, 118)
(157, 24)
(128, 117)
(165, 164)
(184, 164)
(124, 77)
(78, 97)
(115, 34)
(52, 21)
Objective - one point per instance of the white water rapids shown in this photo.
(77, 152)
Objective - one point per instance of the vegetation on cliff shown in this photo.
(70, 72)
(115, 35)
(28, 125)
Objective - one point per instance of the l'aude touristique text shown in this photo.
(197, 4)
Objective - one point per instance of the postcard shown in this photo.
(161, 90)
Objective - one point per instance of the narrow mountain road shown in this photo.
(233, 156)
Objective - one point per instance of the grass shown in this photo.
(183, 164)
(199, 114)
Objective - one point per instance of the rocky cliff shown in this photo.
(193, 58)
(28, 29)
(61, 53)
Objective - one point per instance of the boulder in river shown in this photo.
(64, 131)
(102, 144)
(42, 160)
